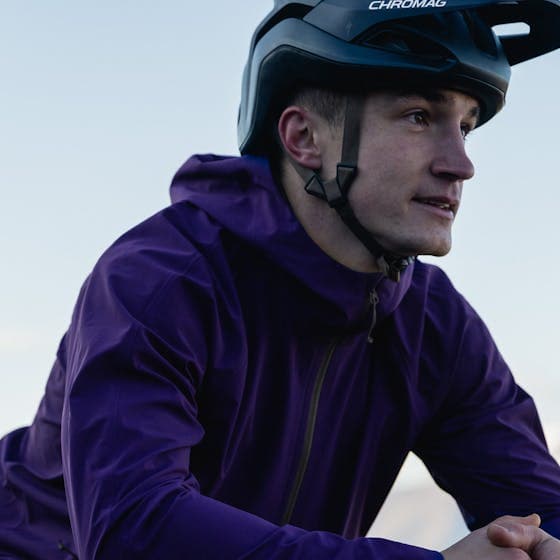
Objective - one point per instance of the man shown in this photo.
(247, 370)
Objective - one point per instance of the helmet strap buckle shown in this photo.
(334, 190)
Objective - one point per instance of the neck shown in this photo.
(325, 227)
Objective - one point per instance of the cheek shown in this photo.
(389, 179)
(395, 156)
(392, 168)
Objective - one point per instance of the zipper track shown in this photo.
(309, 432)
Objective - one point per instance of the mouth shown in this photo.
(443, 205)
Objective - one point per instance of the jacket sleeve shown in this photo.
(486, 446)
(130, 421)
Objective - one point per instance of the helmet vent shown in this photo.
(481, 34)
(509, 29)
(401, 41)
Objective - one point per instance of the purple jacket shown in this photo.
(216, 397)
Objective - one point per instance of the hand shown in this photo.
(524, 533)
(507, 538)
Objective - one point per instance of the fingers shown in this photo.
(507, 538)
(534, 519)
(477, 546)
(511, 537)
(547, 549)
(518, 532)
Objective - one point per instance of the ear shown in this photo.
(298, 133)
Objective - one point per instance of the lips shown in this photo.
(443, 203)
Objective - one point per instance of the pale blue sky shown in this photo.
(102, 101)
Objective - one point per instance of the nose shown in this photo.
(451, 161)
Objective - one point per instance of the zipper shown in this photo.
(63, 548)
(373, 301)
(309, 432)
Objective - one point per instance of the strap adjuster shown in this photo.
(334, 190)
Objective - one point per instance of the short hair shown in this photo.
(328, 104)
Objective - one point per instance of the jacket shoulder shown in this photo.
(173, 264)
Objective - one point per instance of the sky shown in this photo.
(102, 101)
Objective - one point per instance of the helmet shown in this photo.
(353, 44)
(362, 45)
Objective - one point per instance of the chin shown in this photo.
(414, 249)
(421, 242)
(439, 252)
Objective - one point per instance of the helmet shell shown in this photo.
(361, 45)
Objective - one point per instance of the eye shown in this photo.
(418, 117)
(466, 129)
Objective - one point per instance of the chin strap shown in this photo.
(335, 191)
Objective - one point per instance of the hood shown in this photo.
(240, 194)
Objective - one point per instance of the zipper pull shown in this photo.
(373, 300)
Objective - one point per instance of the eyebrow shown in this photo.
(436, 96)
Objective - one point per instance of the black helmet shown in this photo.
(350, 44)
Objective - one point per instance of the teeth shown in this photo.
(438, 205)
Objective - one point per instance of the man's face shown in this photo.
(412, 165)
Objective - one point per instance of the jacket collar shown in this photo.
(239, 193)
